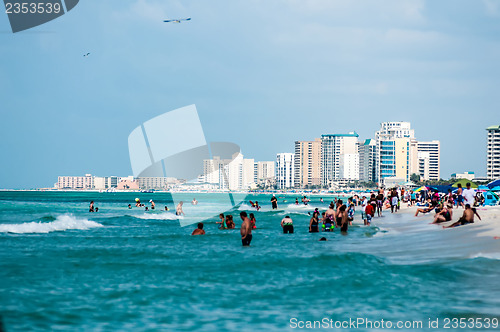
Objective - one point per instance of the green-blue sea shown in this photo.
(121, 269)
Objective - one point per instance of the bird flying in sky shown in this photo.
(86, 55)
(178, 20)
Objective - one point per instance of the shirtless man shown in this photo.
(178, 209)
(467, 217)
(199, 230)
(342, 216)
(460, 198)
(245, 230)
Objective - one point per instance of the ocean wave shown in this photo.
(61, 223)
(159, 216)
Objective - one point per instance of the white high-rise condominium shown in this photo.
(493, 153)
(264, 172)
(307, 163)
(232, 174)
(392, 155)
(428, 155)
(285, 170)
(332, 148)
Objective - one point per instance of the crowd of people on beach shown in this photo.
(340, 215)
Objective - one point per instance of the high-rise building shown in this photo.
(229, 174)
(493, 153)
(366, 151)
(332, 148)
(392, 157)
(285, 170)
(264, 173)
(428, 155)
(307, 163)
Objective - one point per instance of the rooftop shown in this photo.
(351, 134)
(493, 128)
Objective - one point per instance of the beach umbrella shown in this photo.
(421, 188)
(493, 184)
(463, 182)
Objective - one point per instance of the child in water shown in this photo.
(252, 221)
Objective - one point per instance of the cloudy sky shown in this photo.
(261, 73)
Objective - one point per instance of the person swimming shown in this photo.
(129, 206)
(222, 222)
(199, 230)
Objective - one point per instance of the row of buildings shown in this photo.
(332, 160)
(336, 159)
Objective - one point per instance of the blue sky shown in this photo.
(261, 73)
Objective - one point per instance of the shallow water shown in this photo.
(119, 269)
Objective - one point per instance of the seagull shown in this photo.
(86, 55)
(178, 20)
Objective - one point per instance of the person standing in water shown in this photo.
(194, 201)
(253, 220)
(178, 210)
(245, 230)
(287, 225)
(152, 204)
(314, 223)
(222, 222)
(342, 215)
(199, 230)
(91, 207)
(274, 202)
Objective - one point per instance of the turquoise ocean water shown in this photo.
(63, 268)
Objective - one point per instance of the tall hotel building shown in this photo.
(339, 157)
(366, 151)
(428, 160)
(493, 153)
(307, 163)
(285, 170)
(392, 156)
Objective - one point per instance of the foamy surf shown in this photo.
(159, 216)
(62, 223)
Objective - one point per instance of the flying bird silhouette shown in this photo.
(178, 20)
(86, 55)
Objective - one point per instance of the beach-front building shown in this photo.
(493, 153)
(307, 163)
(334, 147)
(285, 170)
(236, 173)
(428, 156)
(392, 157)
(465, 175)
(75, 182)
(366, 150)
(264, 173)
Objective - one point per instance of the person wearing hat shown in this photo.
(274, 202)
(152, 204)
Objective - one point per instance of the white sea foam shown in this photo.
(159, 216)
(61, 223)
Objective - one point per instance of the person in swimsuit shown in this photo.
(287, 225)
(350, 212)
(253, 220)
(467, 217)
(460, 198)
(222, 222)
(369, 212)
(178, 210)
(230, 222)
(245, 230)
(129, 206)
(380, 202)
(329, 220)
(344, 223)
(199, 230)
(152, 204)
(314, 223)
(446, 214)
(91, 207)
